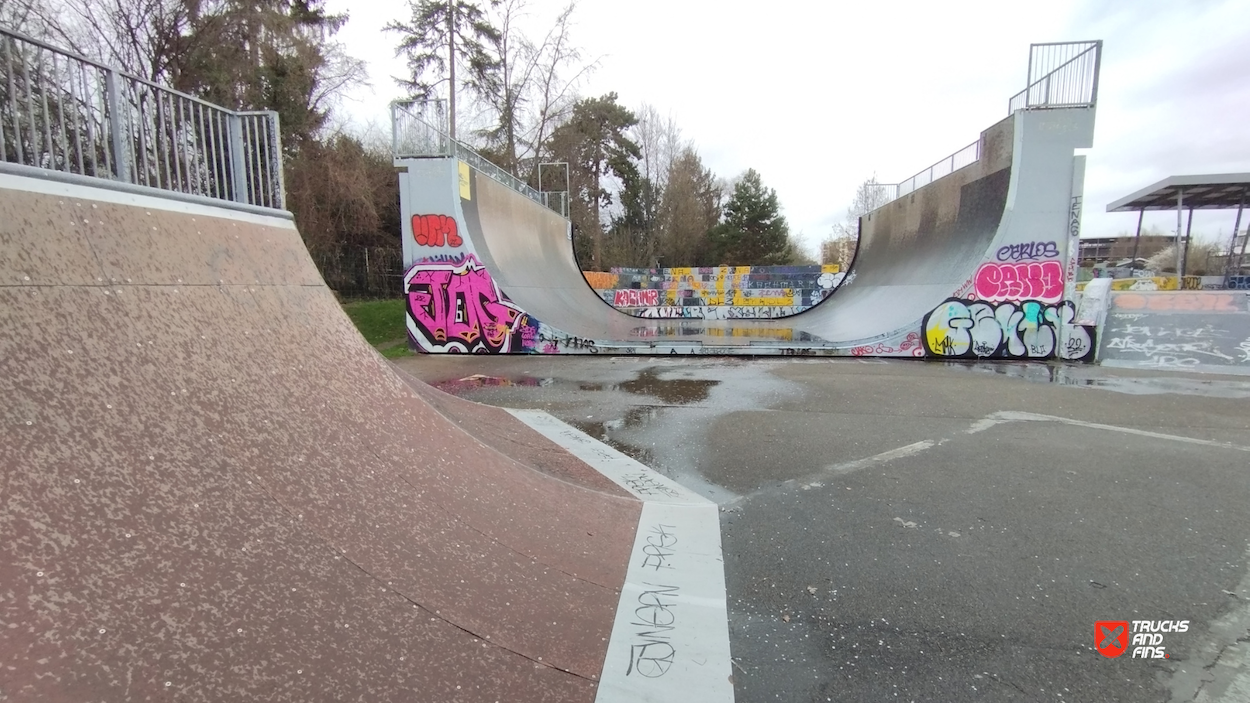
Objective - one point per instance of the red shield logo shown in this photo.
(1111, 637)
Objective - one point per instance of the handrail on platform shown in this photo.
(65, 112)
(1061, 75)
(414, 134)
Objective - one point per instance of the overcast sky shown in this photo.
(818, 96)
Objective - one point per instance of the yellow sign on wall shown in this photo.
(466, 193)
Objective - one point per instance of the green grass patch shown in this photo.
(397, 351)
(382, 324)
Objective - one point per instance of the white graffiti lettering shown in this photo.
(1016, 330)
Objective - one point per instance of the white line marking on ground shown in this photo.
(984, 424)
(891, 455)
(670, 638)
(1012, 416)
(634, 476)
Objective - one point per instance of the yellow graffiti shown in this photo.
(748, 297)
(781, 333)
(466, 191)
(718, 286)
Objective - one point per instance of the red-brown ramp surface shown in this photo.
(213, 489)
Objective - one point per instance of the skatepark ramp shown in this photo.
(976, 260)
(213, 489)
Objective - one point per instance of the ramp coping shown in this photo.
(670, 637)
(71, 185)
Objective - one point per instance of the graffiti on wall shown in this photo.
(435, 231)
(720, 312)
(909, 345)
(1042, 281)
(1181, 302)
(1074, 240)
(456, 307)
(1169, 340)
(688, 289)
(1023, 329)
(600, 280)
(635, 297)
(1238, 283)
(1028, 251)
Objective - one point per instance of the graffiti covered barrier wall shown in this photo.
(1028, 329)
(1183, 330)
(456, 307)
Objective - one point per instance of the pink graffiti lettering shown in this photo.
(635, 298)
(459, 309)
(435, 231)
(1033, 281)
(910, 345)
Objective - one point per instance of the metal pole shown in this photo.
(1232, 243)
(1032, 50)
(278, 164)
(394, 131)
(451, 64)
(1185, 259)
(1180, 206)
(1097, 69)
(118, 126)
(1137, 240)
(1242, 256)
(238, 169)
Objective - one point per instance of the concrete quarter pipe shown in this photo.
(977, 263)
(214, 489)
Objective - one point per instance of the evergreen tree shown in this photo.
(595, 144)
(438, 29)
(754, 231)
(269, 55)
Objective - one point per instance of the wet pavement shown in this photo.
(904, 530)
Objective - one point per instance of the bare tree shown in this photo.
(148, 38)
(440, 35)
(839, 248)
(691, 206)
(659, 139)
(869, 196)
(558, 71)
(22, 16)
(1201, 260)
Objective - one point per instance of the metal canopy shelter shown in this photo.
(1216, 191)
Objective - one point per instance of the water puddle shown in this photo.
(671, 391)
(477, 380)
(603, 431)
(675, 391)
(655, 413)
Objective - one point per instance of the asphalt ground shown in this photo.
(902, 530)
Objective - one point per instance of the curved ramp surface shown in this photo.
(213, 489)
(997, 231)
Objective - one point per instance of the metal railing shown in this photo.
(65, 112)
(954, 162)
(418, 130)
(557, 200)
(1060, 75)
